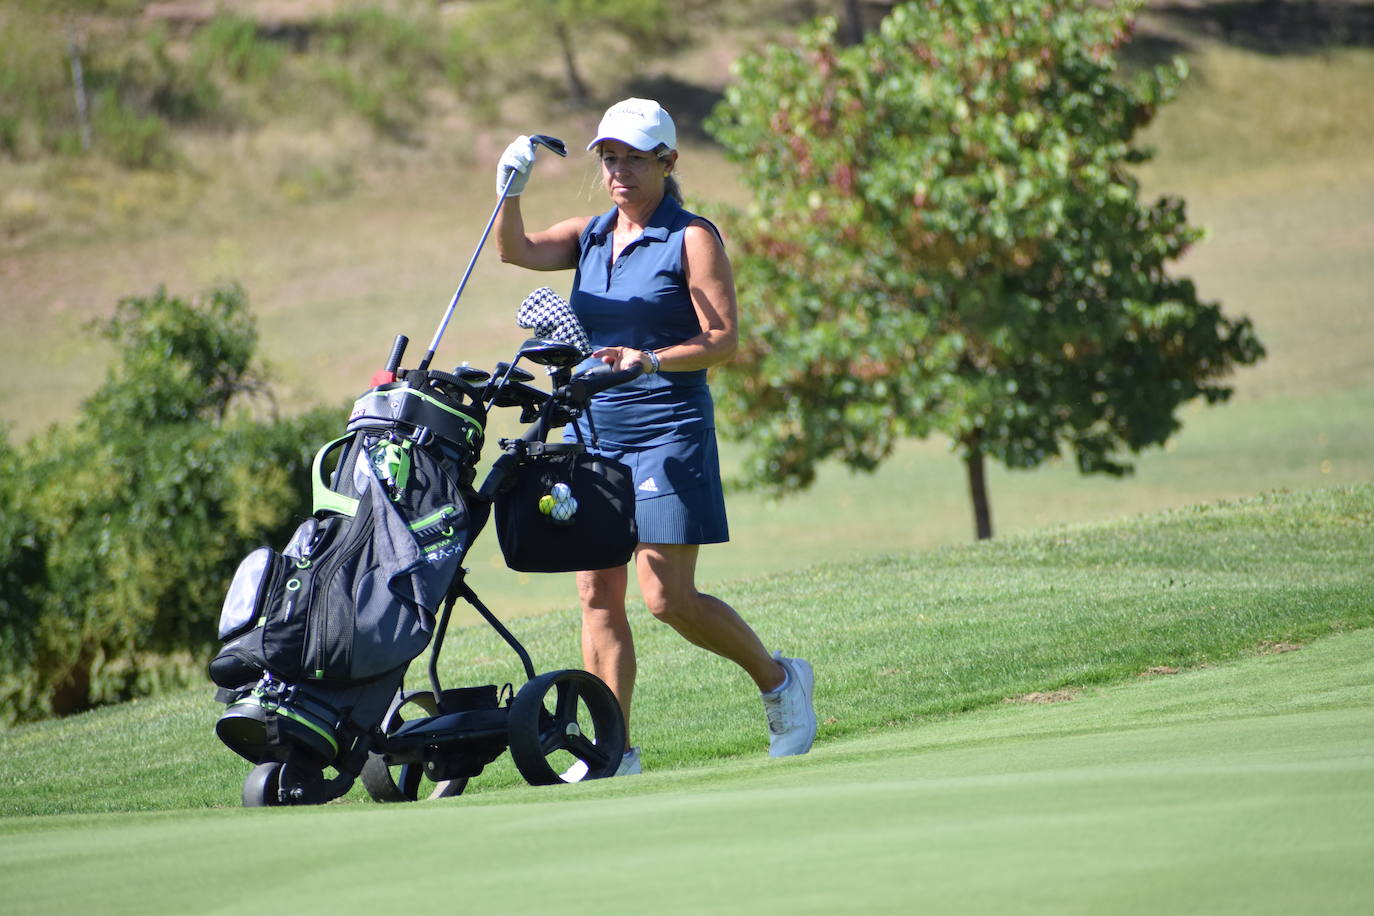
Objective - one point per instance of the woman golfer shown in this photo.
(654, 287)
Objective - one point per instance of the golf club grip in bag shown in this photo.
(564, 509)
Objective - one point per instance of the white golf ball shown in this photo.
(562, 512)
(561, 491)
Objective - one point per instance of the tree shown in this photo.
(524, 34)
(23, 571)
(946, 237)
(121, 530)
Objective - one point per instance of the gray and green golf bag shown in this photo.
(317, 636)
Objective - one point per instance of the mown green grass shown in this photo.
(897, 641)
(1240, 787)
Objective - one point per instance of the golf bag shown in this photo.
(317, 637)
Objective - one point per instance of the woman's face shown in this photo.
(633, 176)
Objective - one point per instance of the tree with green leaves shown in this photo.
(120, 531)
(946, 237)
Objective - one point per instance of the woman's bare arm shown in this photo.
(555, 248)
(711, 282)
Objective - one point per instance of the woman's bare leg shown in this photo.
(667, 579)
(608, 648)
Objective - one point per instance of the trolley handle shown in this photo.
(575, 394)
(580, 390)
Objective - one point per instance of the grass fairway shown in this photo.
(1244, 788)
(1185, 761)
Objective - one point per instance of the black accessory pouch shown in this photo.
(564, 509)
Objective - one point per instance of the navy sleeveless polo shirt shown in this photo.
(642, 301)
(662, 425)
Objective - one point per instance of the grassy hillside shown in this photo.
(1081, 716)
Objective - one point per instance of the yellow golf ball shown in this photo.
(546, 503)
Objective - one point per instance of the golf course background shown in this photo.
(1244, 782)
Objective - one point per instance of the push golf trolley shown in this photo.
(317, 638)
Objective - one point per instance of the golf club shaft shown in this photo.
(457, 293)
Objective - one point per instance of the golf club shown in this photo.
(560, 149)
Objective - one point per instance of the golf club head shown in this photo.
(551, 143)
(505, 370)
(554, 353)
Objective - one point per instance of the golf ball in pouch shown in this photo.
(559, 504)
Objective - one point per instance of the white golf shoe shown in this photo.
(791, 712)
(630, 765)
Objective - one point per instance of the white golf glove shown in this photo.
(518, 158)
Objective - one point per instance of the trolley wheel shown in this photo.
(262, 788)
(561, 717)
(271, 784)
(405, 782)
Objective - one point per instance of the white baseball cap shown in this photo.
(642, 123)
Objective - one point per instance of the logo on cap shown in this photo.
(642, 123)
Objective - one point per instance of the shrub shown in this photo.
(133, 140)
(231, 43)
(380, 63)
(36, 102)
(122, 529)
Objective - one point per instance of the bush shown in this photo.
(122, 530)
(231, 43)
(130, 139)
(380, 63)
(36, 104)
(22, 568)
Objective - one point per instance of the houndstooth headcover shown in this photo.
(549, 316)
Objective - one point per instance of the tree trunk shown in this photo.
(978, 486)
(855, 21)
(83, 115)
(577, 89)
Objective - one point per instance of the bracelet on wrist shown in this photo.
(654, 361)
